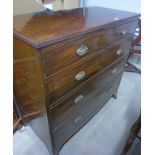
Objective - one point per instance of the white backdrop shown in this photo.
(128, 5)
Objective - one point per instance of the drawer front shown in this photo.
(72, 125)
(69, 78)
(79, 98)
(122, 31)
(62, 55)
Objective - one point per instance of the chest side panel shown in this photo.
(28, 78)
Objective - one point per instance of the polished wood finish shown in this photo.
(65, 54)
(73, 124)
(68, 64)
(62, 82)
(66, 24)
(27, 78)
(62, 55)
(67, 107)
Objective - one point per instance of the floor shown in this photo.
(105, 134)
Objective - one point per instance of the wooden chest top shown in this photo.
(40, 30)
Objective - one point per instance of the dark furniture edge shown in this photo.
(39, 45)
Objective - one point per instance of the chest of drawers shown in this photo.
(67, 65)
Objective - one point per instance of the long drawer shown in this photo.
(67, 79)
(72, 125)
(79, 98)
(63, 54)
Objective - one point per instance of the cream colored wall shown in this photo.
(57, 5)
(66, 4)
(26, 6)
(70, 4)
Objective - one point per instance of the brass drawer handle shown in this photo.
(77, 119)
(120, 51)
(123, 33)
(78, 99)
(114, 71)
(79, 76)
(82, 50)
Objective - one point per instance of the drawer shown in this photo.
(72, 125)
(64, 81)
(62, 55)
(79, 98)
(122, 31)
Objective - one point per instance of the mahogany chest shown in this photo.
(67, 65)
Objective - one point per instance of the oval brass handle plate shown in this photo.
(82, 50)
(114, 71)
(123, 33)
(79, 76)
(78, 99)
(77, 119)
(119, 51)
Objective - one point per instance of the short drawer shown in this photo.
(122, 31)
(72, 125)
(64, 81)
(79, 98)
